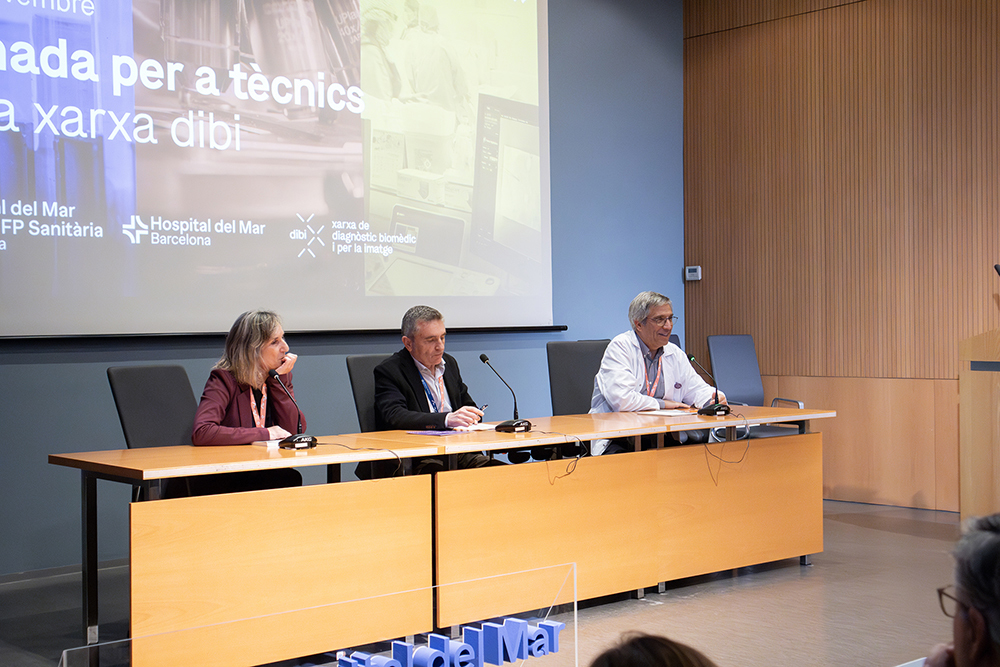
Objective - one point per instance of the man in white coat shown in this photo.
(643, 370)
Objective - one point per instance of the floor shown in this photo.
(868, 599)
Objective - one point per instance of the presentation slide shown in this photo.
(168, 164)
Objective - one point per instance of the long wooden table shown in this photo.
(627, 521)
(695, 509)
(147, 467)
(569, 428)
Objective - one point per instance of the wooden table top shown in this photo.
(185, 460)
(741, 415)
(566, 428)
(181, 461)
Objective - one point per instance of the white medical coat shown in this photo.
(620, 383)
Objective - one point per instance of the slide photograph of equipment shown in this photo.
(337, 161)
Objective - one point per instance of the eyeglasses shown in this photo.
(949, 603)
(662, 320)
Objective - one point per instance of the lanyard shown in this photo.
(258, 418)
(650, 390)
(430, 396)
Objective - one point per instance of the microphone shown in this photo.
(486, 360)
(515, 425)
(274, 375)
(715, 408)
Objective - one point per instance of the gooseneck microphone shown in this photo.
(715, 408)
(274, 374)
(515, 425)
(486, 360)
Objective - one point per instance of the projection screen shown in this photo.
(168, 164)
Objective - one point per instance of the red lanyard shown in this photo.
(656, 381)
(258, 417)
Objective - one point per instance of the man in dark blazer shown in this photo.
(420, 388)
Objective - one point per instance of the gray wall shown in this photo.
(615, 80)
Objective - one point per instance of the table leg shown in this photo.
(154, 489)
(89, 505)
(333, 473)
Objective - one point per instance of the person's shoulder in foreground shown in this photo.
(642, 650)
(973, 602)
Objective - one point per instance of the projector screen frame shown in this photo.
(131, 294)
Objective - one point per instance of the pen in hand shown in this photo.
(483, 409)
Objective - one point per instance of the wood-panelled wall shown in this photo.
(704, 16)
(842, 195)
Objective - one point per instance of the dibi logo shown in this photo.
(312, 235)
(135, 228)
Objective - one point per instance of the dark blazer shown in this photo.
(400, 399)
(224, 416)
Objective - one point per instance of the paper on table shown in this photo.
(476, 427)
(270, 444)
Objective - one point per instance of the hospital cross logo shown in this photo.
(135, 228)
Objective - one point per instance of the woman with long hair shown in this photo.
(244, 402)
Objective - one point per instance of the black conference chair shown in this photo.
(361, 370)
(573, 364)
(156, 408)
(735, 367)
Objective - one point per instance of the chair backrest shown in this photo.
(676, 340)
(361, 369)
(734, 365)
(572, 367)
(155, 404)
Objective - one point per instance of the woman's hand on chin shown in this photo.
(287, 363)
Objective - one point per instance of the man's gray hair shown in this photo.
(639, 309)
(418, 314)
(977, 569)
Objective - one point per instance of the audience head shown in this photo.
(642, 650)
(977, 588)
(423, 334)
(254, 345)
(652, 317)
